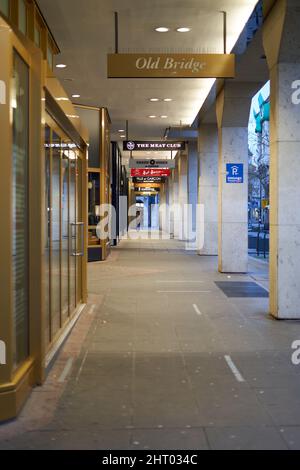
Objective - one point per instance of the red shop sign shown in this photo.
(134, 172)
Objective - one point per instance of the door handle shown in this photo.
(81, 225)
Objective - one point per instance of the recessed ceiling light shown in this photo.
(75, 96)
(162, 29)
(154, 99)
(61, 66)
(163, 117)
(121, 130)
(122, 136)
(152, 117)
(183, 30)
(168, 99)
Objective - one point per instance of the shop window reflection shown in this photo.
(20, 210)
(55, 242)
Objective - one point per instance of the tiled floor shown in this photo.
(167, 361)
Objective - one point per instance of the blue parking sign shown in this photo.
(234, 172)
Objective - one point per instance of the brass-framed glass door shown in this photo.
(64, 229)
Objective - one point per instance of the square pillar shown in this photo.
(233, 108)
(208, 186)
(192, 190)
(281, 37)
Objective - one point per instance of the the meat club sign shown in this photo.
(149, 172)
(141, 146)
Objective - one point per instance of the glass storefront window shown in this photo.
(56, 236)
(73, 219)
(22, 16)
(4, 7)
(47, 235)
(65, 234)
(20, 108)
(94, 197)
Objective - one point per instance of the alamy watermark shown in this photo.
(182, 221)
(296, 353)
(296, 92)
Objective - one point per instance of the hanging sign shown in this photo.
(150, 190)
(147, 185)
(140, 146)
(171, 65)
(149, 172)
(148, 179)
(147, 163)
(234, 173)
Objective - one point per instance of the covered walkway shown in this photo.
(164, 358)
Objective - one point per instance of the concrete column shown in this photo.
(281, 37)
(176, 201)
(162, 203)
(208, 186)
(192, 186)
(170, 202)
(233, 108)
(183, 191)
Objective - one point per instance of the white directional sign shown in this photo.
(151, 163)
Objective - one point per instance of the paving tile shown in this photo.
(291, 435)
(72, 440)
(245, 438)
(169, 439)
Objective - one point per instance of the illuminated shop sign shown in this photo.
(139, 146)
(148, 190)
(61, 145)
(140, 172)
(147, 179)
(171, 65)
(147, 163)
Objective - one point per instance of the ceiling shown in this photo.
(84, 31)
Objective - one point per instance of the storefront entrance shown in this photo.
(64, 229)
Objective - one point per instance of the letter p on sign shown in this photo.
(2, 92)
